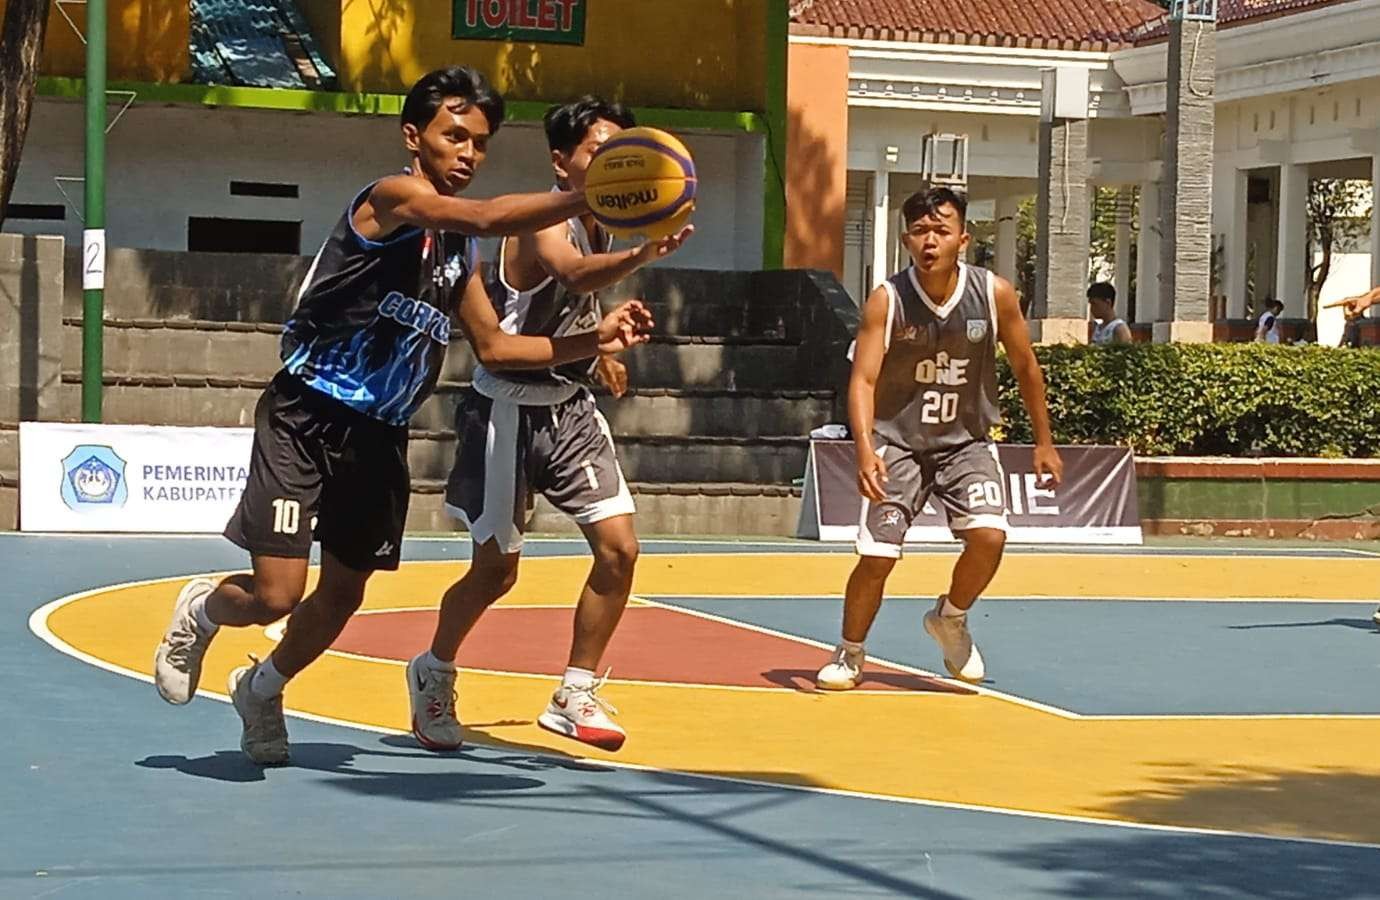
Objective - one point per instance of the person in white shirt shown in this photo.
(1109, 328)
(1267, 329)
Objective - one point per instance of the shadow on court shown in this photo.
(1169, 867)
(803, 681)
(346, 761)
(1357, 624)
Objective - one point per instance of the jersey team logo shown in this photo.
(977, 330)
(93, 477)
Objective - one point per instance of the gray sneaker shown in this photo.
(961, 656)
(432, 694)
(177, 661)
(265, 737)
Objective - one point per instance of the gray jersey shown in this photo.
(937, 388)
(549, 310)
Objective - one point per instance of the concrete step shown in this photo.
(657, 458)
(251, 350)
(713, 413)
(662, 509)
(168, 399)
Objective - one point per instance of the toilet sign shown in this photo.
(520, 21)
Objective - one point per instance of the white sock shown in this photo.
(436, 664)
(852, 648)
(268, 681)
(577, 677)
(948, 608)
(203, 621)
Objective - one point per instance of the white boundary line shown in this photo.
(38, 624)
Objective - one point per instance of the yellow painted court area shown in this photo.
(1260, 774)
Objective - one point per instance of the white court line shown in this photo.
(38, 624)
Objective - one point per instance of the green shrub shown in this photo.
(1208, 399)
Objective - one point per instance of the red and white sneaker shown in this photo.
(432, 694)
(577, 711)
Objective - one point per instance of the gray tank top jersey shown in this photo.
(549, 310)
(937, 388)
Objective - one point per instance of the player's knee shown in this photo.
(492, 580)
(875, 568)
(990, 541)
(618, 557)
(276, 600)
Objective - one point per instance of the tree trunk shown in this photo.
(1320, 274)
(21, 43)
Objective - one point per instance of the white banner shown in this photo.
(140, 478)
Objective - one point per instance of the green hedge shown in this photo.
(1208, 399)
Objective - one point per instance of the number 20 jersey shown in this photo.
(937, 388)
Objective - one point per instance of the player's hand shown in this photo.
(613, 374)
(654, 250)
(1049, 468)
(1354, 305)
(627, 325)
(872, 478)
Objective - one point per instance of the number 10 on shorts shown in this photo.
(286, 516)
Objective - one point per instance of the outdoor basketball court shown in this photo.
(1174, 721)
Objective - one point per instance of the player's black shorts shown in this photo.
(320, 467)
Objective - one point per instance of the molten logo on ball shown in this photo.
(629, 200)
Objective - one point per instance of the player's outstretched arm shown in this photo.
(1358, 304)
(1015, 337)
(584, 274)
(862, 393)
(628, 325)
(403, 200)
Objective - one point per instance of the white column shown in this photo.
(1148, 254)
(1375, 221)
(1290, 260)
(1008, 218)
(1233, 228)
(881, 226)
(1121, 274)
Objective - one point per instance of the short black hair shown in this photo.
(568, 123)
(927, 202)
(1277, 305)
(1102, 290)
(465, 82)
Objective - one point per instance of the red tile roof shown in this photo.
(1231, 13)
(1051, 24)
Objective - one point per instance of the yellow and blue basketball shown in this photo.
(642, 181)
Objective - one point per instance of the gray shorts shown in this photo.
(509, 452)
(967, 481)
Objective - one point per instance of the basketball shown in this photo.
(642, 181)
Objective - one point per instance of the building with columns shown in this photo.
(1209, 122)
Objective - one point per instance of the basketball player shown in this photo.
(360, 354)
(922, 401)
(539, 432)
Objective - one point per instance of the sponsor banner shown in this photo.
(1096, 504)
(137, 478)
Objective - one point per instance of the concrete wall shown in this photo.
(168, 163)
(817, 162)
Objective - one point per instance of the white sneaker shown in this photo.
(961, 656)
(1375, 617)
(577, 711)
(177, 661)
(265, 737)
(843, 671)
(432, 694)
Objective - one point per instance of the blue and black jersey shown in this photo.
(373, 318)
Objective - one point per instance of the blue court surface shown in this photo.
(109, 793)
